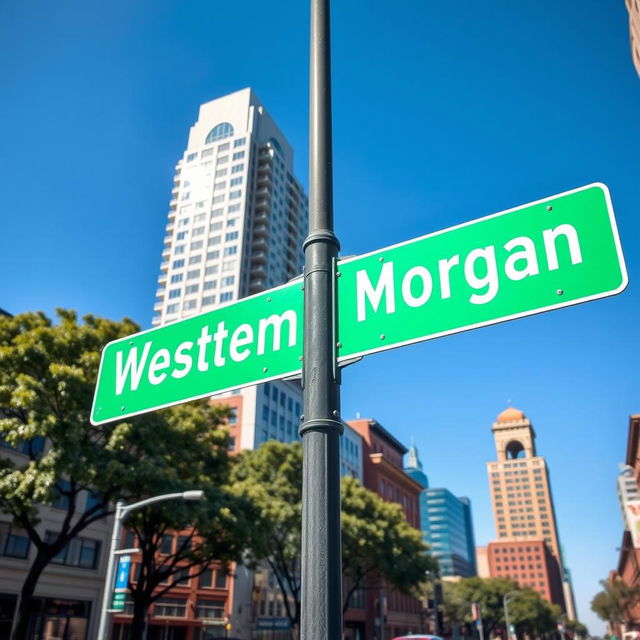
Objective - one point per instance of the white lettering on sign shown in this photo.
(384, 286)
(132, 367)
(273, 334)
(275, 321)
(480, 267)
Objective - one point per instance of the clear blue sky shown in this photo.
(443, 111)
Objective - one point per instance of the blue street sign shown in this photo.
(122, 575)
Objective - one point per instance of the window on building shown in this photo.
(178, 263)
(239, 142)
(191, 157)
(172, 308)
(170, 607)
(195, 259)
(196, 245)
(192, 288)
(219, 132)
(191, 275)
(12, 543)
(230, 251)
(80, 552)
(226, 297)
(222, 159)
(238, 155)
(233, 207)
(234, 195)
(210, 609)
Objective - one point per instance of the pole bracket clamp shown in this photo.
(323, 425)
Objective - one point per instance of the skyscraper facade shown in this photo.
(521, 492)
(237, 215)
(445, 521)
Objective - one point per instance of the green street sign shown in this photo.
(253, 340)
(118, 602)
(541, 256)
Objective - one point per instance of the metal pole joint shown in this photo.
(326, 236)
(322, 425)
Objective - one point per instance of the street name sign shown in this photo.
(545, 255)
(253, 340)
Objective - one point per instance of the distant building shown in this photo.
(522, 498)
(446, 524)
(68, 596)
(530, 563)
(633, 7)
(628, 491)
(482, 562)
(383, 473)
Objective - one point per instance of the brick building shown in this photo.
(381, 613)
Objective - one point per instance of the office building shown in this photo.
(530, 563)
(237, 219)
(521, 493)
(379, 611)
(445, 521)
(633, 7)
(68, 595)
(628, 489)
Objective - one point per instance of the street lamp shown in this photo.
(505, 601)
(122, 510)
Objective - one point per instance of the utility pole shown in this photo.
(321, 428)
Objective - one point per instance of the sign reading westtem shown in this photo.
(548, 254)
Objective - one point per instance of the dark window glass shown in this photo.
(165, 547)
(206, 579)
(221, 580)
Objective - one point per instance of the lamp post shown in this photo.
(505, 601)
(122, 510)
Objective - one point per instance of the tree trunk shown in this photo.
(21, 626)
(139, 622)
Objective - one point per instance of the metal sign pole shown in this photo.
(321, 610)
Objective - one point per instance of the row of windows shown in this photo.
(167, 607)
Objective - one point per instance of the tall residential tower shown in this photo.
(236, 223)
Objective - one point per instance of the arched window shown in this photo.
(515, 450)
(220, 131)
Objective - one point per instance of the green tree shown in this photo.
(214, 529)
(378, 542)
(612, 604)
(271, 477)
(47, 377)
(527, 610)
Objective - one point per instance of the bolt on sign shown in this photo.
(545, 255)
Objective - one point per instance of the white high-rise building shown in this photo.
(237, 215)
(236, 223)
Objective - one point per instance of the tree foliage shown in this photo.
(527, 610)
(613, 603)
(378, 542)
(271, 477)
(47, 378)
(214, 529)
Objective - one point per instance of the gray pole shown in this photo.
(321, 611)
(103, 629)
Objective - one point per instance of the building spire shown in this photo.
(413, 461)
